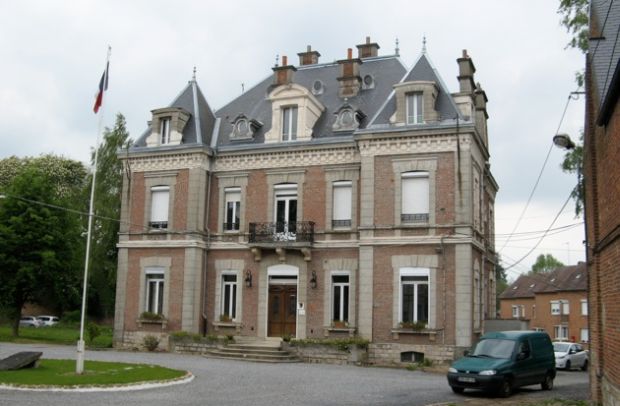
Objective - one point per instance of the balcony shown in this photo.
(299, 233)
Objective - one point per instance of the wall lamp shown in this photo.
(248, 278)
(313, 280)
(563, 141)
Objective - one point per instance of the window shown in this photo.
(559, 307)
(160, 197)
(340, 298)
(561, 332)
(286, 211)
(229, 296)
(154, 291)
(584, 335)
(414, 296)
(415, 197)
(289, 123)
(232, 198)
(565, 307)
(518, 311)
(414, 108)
(584, 307)
(342, 204)
(164, 130)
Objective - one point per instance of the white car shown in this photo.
(29, 321)
(570, 355)
(47, 320)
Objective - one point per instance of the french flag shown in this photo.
(103, 86)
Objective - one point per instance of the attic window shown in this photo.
(514, 287)
(318, 87)
(578, 276)
(415, 111)
(164, 130)
(368, 82)
(244, 127)
(347, 118)
(532, 285)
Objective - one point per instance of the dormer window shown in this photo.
(289, 123)
(244, 127)
(347, 118)
(164, 130)
(415, 110)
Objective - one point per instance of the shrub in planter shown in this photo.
(413, 325)
(150, 342)
(224, 318)
(151, 316)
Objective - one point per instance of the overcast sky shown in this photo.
(53, 54)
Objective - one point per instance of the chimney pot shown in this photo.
(367, 40)
(308, 48)
(349, 53)
(283, 74)
(368, 49)
(284, 60)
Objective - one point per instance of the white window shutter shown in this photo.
(342, 201)
(160, 198)
(415, 194)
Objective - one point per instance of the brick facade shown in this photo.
(447, 254)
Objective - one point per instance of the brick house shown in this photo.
(329, 200)
(556, 302)
(602, 212)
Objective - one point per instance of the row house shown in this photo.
(554, 302)
(348, 198)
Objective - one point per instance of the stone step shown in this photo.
(252, 350)
(267, 356)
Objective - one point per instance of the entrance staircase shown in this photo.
(254, 350)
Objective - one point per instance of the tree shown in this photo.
(39, 244)
(545, 264)
(501, 281)
(102, 276)
(575, 17)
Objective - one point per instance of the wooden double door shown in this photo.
(282, 315)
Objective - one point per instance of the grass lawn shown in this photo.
(62, 373)
(59, 334)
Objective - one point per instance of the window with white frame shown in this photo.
(229, 297)
(565, 307)
(160, 198)
(289, 123)
(164, 130)
(154, 291)
(232, 199)
(561, 332)
(342, 192)
(286, 211)
(415, 111)
(414, 297)
(556, 307)
(584, 335)
(415, 197)
(518, 311)
(340, 297)
(584, 307)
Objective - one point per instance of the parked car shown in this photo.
(29, 321)
(503, 361)
(47, 320)
(570, 355)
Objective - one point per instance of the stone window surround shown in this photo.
(238, 180)
(339, 266)
(154, 264)
(429, 92)
(428, 263)
(152, 179)
(401, 165)
(284, 176)
(335, 175)
(178, 120)
(228, 267)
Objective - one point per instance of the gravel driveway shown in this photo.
(226, 382)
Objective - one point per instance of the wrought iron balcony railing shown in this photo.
(276, 233)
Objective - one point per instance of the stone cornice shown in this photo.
(189, 159)
(159, 244)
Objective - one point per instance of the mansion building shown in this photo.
(330, 200)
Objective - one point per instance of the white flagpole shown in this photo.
(79, 366)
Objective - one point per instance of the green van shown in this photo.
(503, 361)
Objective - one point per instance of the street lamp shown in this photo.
(563, 141)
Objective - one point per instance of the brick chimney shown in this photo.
(309, 57)
(368, 49)
(466, 73)
(350, 80)
(283, 74)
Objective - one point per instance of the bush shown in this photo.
(150, 342)
(93, 331)
(151, 316)
(343, 344)
(74, 316)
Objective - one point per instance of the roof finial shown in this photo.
(397, 50)
(277, 60)
(242, 87)
(194, 74)
(424, 44)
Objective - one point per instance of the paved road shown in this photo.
(223, 382)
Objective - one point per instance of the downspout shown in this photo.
(443, 268)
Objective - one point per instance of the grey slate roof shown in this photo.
(604, 55)
(377, 103)
(523, 287)
(197, 106)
